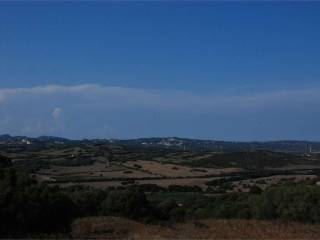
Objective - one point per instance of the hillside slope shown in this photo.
(119, 228)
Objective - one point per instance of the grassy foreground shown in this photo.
(119, 228)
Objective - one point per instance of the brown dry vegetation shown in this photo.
(173, 170)
(61, 170)
(97, 169)
(118, 228)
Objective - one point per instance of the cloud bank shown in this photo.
(97, 111)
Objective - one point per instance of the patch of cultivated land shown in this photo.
(97, 166)
(103, 171)
(119, 228)
(180, 181)
(61, 152)
(96, 170)
(102, 166)
(102, 175)
(160, 182)
(173, 170)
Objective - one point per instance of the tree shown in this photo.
(255, 190)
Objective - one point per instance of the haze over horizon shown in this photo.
(237, 71)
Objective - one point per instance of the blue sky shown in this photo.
(217, 70)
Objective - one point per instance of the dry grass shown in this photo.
(173, 170)
(118, 228)
(96, 170)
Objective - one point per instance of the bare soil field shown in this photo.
(119, 228)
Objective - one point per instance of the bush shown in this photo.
(179, 188)
(290, 202)
(255, 190)
(29, 208)
(86, 200)
(130, 203)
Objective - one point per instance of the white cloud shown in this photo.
(131, 97)
(56, 114)
(87, 109)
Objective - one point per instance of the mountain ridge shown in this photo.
(176, 143)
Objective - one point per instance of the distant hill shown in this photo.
(253, 160)
(223, 146)
(23, 140)
(176, 143)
